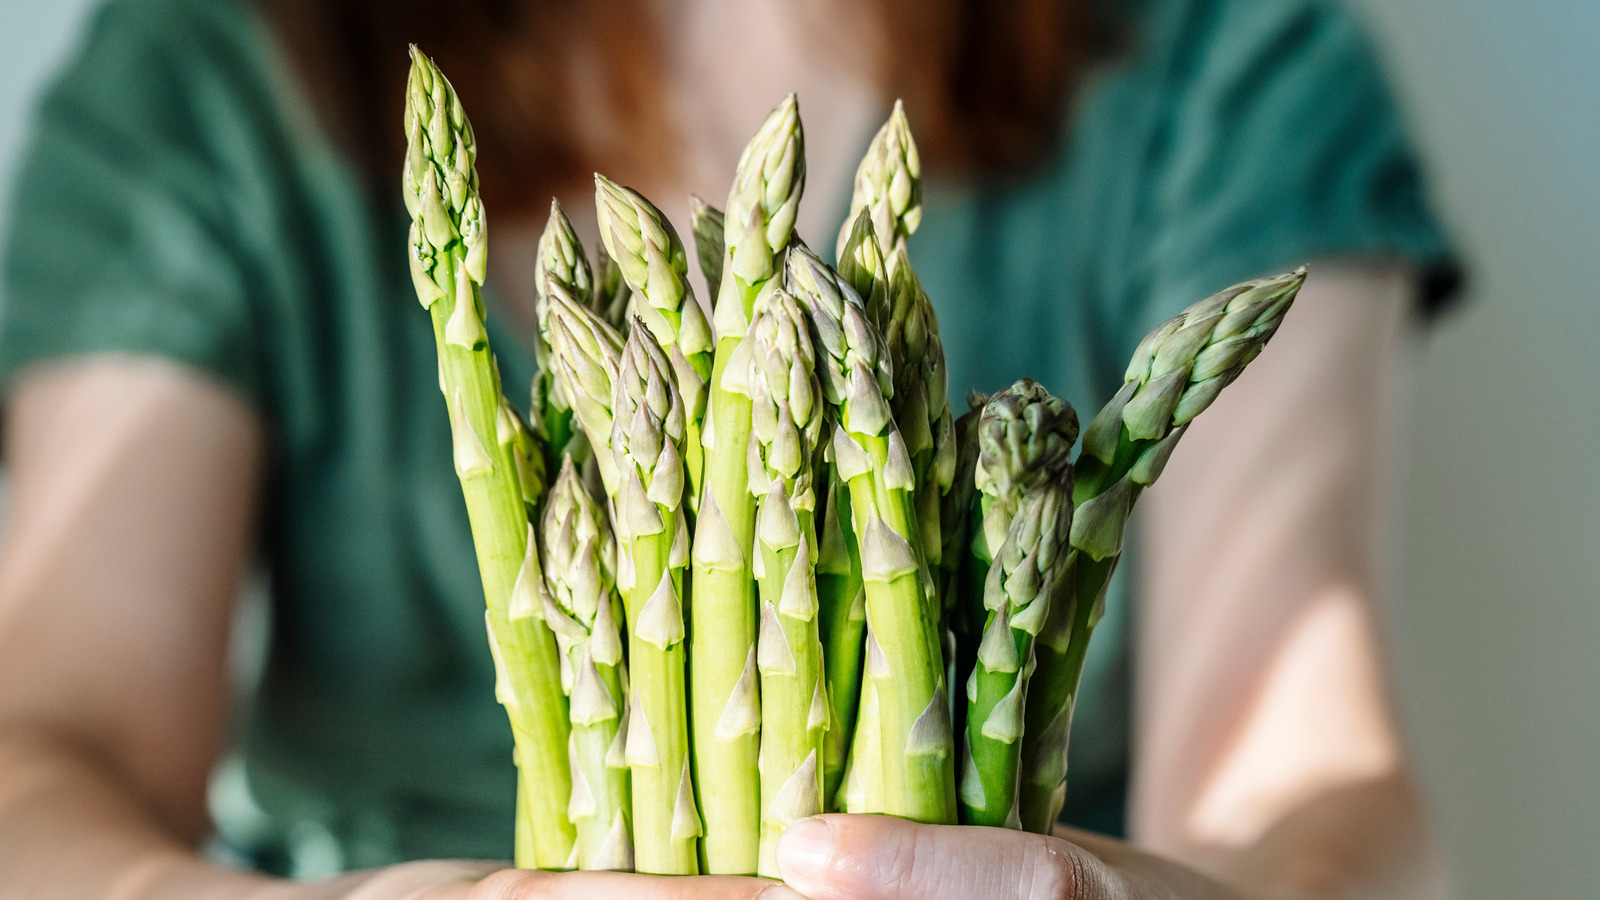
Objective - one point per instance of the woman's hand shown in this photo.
(882, 858)
(459, 880)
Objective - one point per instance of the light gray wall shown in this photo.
(1497, 626)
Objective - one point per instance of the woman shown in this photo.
(210, 352)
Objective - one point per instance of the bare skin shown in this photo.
(133, 490)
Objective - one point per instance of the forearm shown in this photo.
(70, 827)
(1268, 753)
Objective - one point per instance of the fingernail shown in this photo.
(804, 851)
(779, 892)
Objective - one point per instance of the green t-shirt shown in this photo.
(177, 201)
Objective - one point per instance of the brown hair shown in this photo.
(985, 82)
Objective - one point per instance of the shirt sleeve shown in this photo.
(1281, 145)
(125, 216)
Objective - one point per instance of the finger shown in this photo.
(883, 858)
(523, 884)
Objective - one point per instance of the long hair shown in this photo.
(986, 82)
(562, 88)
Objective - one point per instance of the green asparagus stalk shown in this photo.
(647, 440)
(727, 719)
(862, 265)
(560, 258)
(1024, 442)
(863, 774)
(611, 293)
(582, 608)
(956, 522)
(1027, 574)
(905, 663)
(921, 401)
(886, 205)
(888, 185)
(888, 198)
(781, 381)
(1176, 373)
(964, 615)
(842, 618)
(707, 223)
(653, 263)
(529, 453)
(448, 253)
(839, 585)
(1025, 438)
(585, 355)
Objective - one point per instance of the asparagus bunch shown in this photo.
(798, 550)
(448, 250)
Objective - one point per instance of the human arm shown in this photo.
(128, 523)
(1266, 751)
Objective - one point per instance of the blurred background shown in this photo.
(1496, 622)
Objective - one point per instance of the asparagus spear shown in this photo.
(585, 355)
(1024, 441)
(863, 266)
(964, 615)
(904, 655)
(708, 223)
(1176, 372)
(786, 423)
(611, 293)
(1025, 437)
(921, 403)
(839, 585)
(759, 223)
(886, 205)
(529, 453)
(560, 258)
(448, 252)
(863, 774)
(653, 263)
(582, 608)
(647, 440)
(842, 619)
(888, 185)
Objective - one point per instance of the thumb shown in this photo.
(843, 857)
